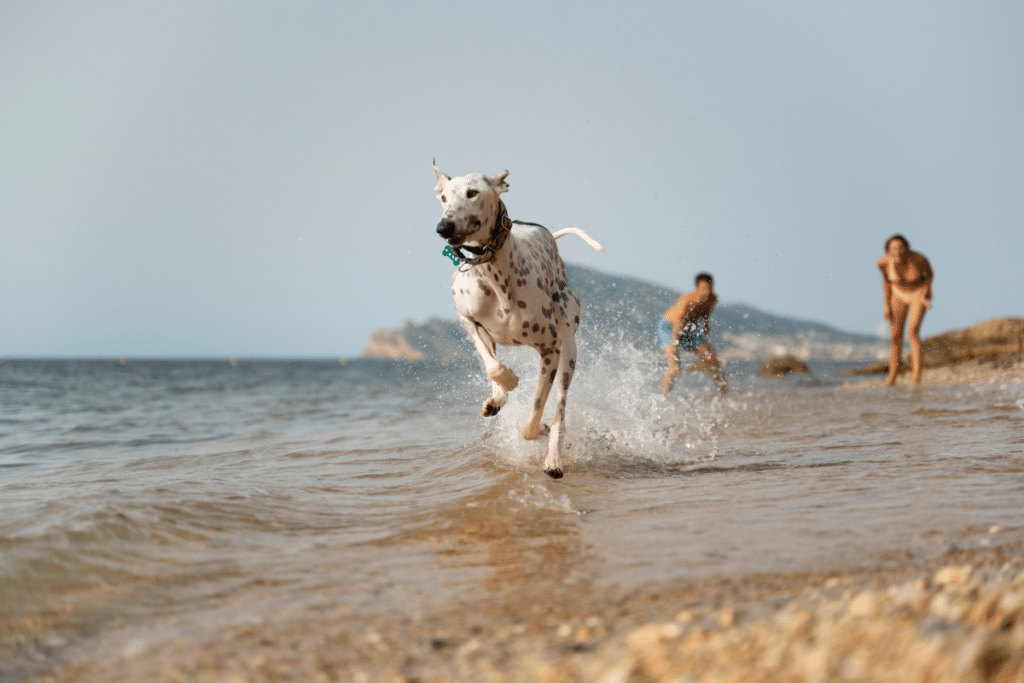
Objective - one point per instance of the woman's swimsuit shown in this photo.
(909, 293)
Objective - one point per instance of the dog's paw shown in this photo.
(491, 407)
(536, 432)
(555, 473)
(505, 378)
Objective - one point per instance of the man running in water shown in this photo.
(685, 326)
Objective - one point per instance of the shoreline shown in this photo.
(1008, 368)
(945, 602)
(957, 617)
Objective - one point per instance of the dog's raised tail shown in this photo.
(576, 231)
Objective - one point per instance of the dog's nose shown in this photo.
(446, 228)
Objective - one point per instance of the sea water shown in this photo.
(146, 501)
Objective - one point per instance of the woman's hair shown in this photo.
(704, 277)
(899, 237)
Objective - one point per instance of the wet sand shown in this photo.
(959, 617)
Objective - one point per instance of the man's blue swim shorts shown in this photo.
(689, 337)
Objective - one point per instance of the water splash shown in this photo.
(616, 414)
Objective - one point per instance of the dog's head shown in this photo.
(470, 206)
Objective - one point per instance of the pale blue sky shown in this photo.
(241, 178)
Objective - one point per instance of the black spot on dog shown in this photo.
(521, 304)
(553, 373)
(535, 327)
(526, 325)
(576, 320)
(554, 297)
(566, 378)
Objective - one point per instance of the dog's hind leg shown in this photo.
(503, 380)
(566, 368)
(548, 370)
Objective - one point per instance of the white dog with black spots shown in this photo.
(513, 291)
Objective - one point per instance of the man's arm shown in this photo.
(678, 314)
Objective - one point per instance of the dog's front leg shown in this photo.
(548, 368)
(503, 380)
(566, 368)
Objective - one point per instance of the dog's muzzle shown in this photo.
(446, 229)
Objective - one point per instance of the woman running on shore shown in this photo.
(907, 286)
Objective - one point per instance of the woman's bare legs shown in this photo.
(914, 328)
(897, 318)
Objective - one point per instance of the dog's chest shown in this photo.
(518, 297)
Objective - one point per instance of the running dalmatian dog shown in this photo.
(513, 292)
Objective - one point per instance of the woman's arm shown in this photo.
(926, 273)
(886, 288)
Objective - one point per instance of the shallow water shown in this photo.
(165, 499)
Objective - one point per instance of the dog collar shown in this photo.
(499, 233)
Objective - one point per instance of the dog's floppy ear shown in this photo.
(442, 179)
(498, 182)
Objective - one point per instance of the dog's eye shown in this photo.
(471, 193)
(443, 198)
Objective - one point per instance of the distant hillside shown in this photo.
(623, 307)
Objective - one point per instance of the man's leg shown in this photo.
(708, 354)
(672, 354)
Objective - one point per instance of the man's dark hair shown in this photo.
(899, 237)
(704, 277)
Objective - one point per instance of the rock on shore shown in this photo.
(782, 366)
(991, 340)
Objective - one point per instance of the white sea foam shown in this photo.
(615, 411)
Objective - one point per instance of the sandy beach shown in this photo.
(961, 619)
